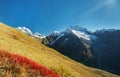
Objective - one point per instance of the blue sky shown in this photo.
(45, 16)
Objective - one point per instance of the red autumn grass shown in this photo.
(30, 66)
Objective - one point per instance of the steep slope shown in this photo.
(17, 42)
(74, 42)
(14, 65)
(107, 48)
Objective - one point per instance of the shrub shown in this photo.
(22, 66)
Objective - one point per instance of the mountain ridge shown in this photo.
(82, 45)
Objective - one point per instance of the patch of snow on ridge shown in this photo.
(57, 32)
(81, 35)
(29, 32)
(25, 30)
(38, 35)
(81, 32)
(79, 28)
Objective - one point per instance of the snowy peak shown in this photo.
(81, 32)
(38, 35)
(81, 35)
(25, 30)
(79, 28)
(55, 33)
(29, 32)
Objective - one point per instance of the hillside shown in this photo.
(17, 42)
(99, 49)
(14, 65)
(108, 50)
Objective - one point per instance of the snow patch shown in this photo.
(25, 30)
(29, 32)
(81, 35)
(38, 35)
(81, 32)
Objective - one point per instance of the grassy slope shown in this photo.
(17, 42)
(14, 65)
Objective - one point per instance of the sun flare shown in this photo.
(111, 1)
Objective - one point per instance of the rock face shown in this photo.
(98, 49)
(107, 48)
(50, 38)
(74, 42)
(73, 47)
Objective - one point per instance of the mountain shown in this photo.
(25, 30)
(29, 32)
(107, 49)
(74, 42)
(98, 49)
(49, 39)
(19, 48)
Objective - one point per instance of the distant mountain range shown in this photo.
(29, 32)
(99, 49)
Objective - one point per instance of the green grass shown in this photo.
(18, 42)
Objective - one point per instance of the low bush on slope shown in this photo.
(14, 65)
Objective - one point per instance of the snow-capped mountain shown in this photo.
(81, 35)
(38, 35)
(25, 30)
(73, 42)
(29, 32)
(81, 32)
(91, 48)
(80, 28)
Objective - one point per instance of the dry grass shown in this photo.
(19, 43)
(14, 65)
